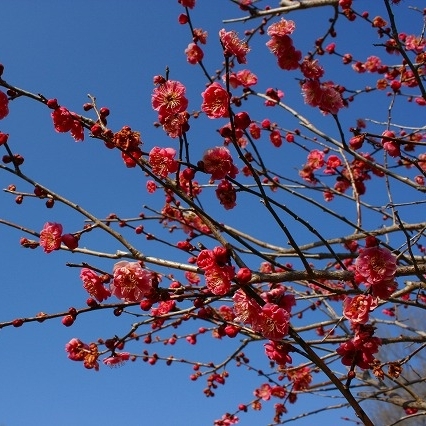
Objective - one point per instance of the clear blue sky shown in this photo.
(112, 49)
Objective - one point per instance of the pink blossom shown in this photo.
(50, 236)
(301, 378)
(356, 309)
(192, 277)
(62, 119)
(226, 194)
(194, 53)
(162, 161)
(289, 59)
(217, 274)
(117, 359)
(316, 159)
(279, 45)
(360, 356)
(263, 392)
(169, 98)
(206, 259)
(273, 322)
(372, 64)
(243, 78)
(215, 101)
(218, 162)
(246, 309)
(175, 124)
(312, 92)
(163, 308)
(281, 28)
(331, 100)
(233, 46)
(76, 349)
(376, 265)
(77, 130)
(278, 352)
(151, 186)
(218, 279)
(93, 284)
(130, 282)
(311, 69)
(324, 96)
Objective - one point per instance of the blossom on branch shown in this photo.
(226, 194)
(94, 285)
(273, 322)
(356, 309)
(169, 98)
(233, 46)
(66, 121)
(376, 267)
(130, 282)
(215, 101)
(117, 359)
(218, 161)
(194, 53)
(278, 352)
(162, 161)
(50, 236)
(217, 272)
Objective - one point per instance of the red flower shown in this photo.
(324, 96)
(278, 352)
(76, 349)
(218, 162)
(243, 78)
(130, 283)
(281, 28)
(4, 105)
(376, 265)
(264, 392)
(215, 101)
(162, 161)
(169, 98)
(226, 194)
(117, 359)
(77, 130)
(194, 53)
(301, 378)
(275, 138)
(50, 236)
(246, 309)
(356, 309)
(311, 69)
(218, 275)
(62, 120)
(233, 46)
(93, 284)
(362, 356)
(218, 279)
(273, 322)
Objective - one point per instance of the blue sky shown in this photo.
(112, 50)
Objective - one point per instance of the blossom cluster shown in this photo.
(169, 100)
(218, 273)
(271, 320)
(359, 351)
(65, 121)
(376, 267)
